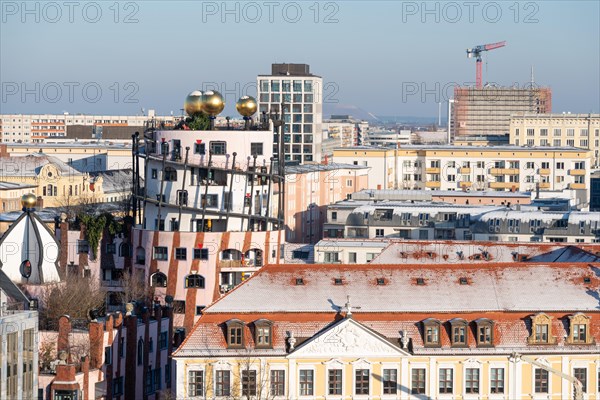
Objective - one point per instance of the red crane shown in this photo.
(476, 52)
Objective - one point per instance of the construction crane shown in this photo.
(476, 52)
(577, 386)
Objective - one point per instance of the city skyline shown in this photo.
(128, 56)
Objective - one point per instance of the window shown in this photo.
(179, 306)
(581, 374)
(560, 165)
(418, 381)
(83, 247)
(579, 328)
(277, 383)
(158, 280)
(390, 381)
(256, 148)
(182, 197)
(540, 329)
(162, 340)
(334, 382)
(140, 352)
(209, 200)
(262, 335)
(108, 355)
(472, 380)
(484, 332)
(459, 332)
(200, 148)
(194, 281)
(222, 383)
(541, 381)
(248, 383)
(361, 383)
(352, 258)
(200, 254)
(170, 174)
(196, 383)
(307, 382)
(218, 148)
(118, 386)
(332, 257)
(235, 333)
(379, 233)
(161, 253)
(446, 380)
(497, 380)
(111, 248)
(180, 253)
(541, 333)
(432, 332)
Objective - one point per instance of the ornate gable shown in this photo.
(346, 338)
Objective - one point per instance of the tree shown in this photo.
(75, 296)
(134, 288)
(199, 122)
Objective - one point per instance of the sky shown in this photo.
(383, 57)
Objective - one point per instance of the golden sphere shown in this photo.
(29, 200)
(246, 106)
(193, 103)
(213, 103)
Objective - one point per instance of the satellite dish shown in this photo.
(169, 299)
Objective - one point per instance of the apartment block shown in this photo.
(500, 168)
(573, 130)
(301, 92)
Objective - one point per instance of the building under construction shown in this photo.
(487, 111)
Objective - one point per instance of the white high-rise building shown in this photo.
(302, 94)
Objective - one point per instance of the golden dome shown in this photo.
(193, 103)
(246, 106)
(28, 201)
(213, 103)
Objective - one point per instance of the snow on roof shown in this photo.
(459, 252)
(492, 287)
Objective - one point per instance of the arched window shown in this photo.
(235, 333)
(140, 352)
(124, 250)
(431, 330)
(194, 281)
(158, 279)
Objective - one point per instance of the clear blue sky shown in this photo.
(372, 55)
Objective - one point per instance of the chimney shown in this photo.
(64, 330)
(64, 245)
(96, 344)
(537, 190)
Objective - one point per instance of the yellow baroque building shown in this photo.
(56, 183)
(480, 331)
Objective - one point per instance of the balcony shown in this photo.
(504, 185)
(432, 170)
(231, 264)
(577, 186)
(465, 184)
(433, 184)
(577, 172)
(544, 185)
(544, 171)
(464, 170)
(504, 171)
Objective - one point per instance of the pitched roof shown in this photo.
(491, 287)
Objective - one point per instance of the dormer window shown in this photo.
(299, 281)
(580, 329)
(380, 281)
(235, 333)
(263, 333)
(431, 328)
(485, 332)
(459, 331)
(541, 330)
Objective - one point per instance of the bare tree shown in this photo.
(134, 288)
(75, 296)
(72, 206)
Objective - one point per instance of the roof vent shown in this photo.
(587, 279)
(338, 281)
(463, 281)
(299, 281)
(420, 281)
(380, 281)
